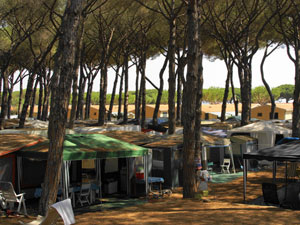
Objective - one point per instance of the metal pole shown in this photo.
(274, 171)
(244, 178)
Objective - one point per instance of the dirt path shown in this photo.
(224, 206)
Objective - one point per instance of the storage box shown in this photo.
(111, 187)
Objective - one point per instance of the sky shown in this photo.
(278, 69)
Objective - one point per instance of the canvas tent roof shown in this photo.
(87, 146)
(264, 131)
(242, 139)
(133, 137)
(14, 142)
(261, 126)
(285, 152)
(177, 139)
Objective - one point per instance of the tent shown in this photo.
(266, 133)
(87, 146)
(10, 144)
(286, 152)
(167, 155)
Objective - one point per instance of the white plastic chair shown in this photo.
(84, 195)
(9, 196)
(225, 166)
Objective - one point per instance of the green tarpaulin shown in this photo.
(87, 146)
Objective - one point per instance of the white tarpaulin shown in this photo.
(265, 132)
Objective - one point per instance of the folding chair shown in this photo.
(225, 166)
(9, 196)
(84, 195)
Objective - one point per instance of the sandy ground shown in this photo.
(224, 205)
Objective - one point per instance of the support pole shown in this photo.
(244, 178)
(274, 171)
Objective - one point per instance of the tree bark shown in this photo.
(120, 93)
(172, 77)
(60, 94)
(125, 114)
(33, 99)
(103, 91)
(190, 100)
(10, 91)
(3, 114)
(40, 103)
(160, 91)
(137, 91)
(20, 96)
(225, 97)
(82, 81)
(113, 94)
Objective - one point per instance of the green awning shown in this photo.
(87, 146)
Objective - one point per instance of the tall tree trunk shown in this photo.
(137, 95)
(273, 105)
(39, 113)
(190, 88)
(120, 93)
(143, 90)
(125, 114)
(235, 100)
(296, 103)
(82, 81)
(88, 97)
(181, 66)
(20, 96)
(60, 94)
(160, 91)
(102, 98)
(27, 99)
(172, 77)
(3, 114)
(225, 97)
(10, 91)
(245, 81)
(198, 145)
(111, 105)
(33, 99)
(46, 95)
(79, 41)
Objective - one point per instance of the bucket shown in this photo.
(139, 176)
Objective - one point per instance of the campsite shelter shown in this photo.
(267, 133)
(10, 144)
(167, 155)
(80, 147)
(288, 152)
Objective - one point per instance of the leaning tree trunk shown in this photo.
(113, 94)
(235, 100)
(20, 96)
(27, 99)
(225, 97)
(33, 99)
(160, 91)
(60, 94)
(273, 105)
(190, 100)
